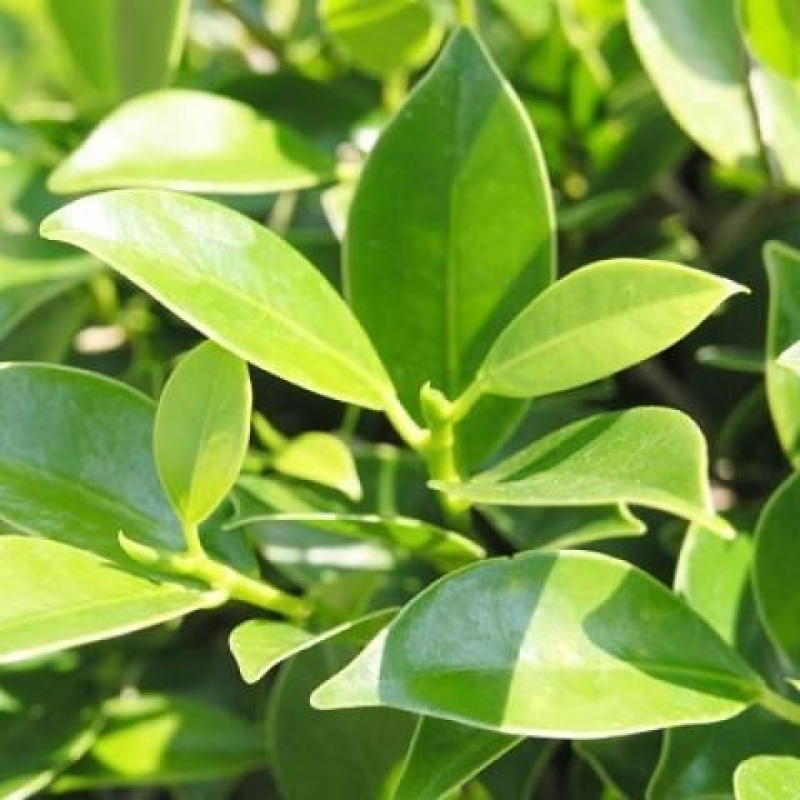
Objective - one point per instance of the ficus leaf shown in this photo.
(233, 280)
(767, 778)
(215, 145)
(202, 429)
(572, 645)
(654, 457)
(597, 321)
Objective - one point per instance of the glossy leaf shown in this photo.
(214, 145)
(772, 31)
(444, 755)
(234, 281)
(571, 645)
(654, 457)
(166, 740)
(382, 37)
(121, 47)
(768, 778)
(320, 458)
(460, 175)
(598, 321)
(56, 597)
(76, 461)
(260, 645)
(202, 430)
(776, 565)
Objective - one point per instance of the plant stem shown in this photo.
(408, 430)
(780, 706)
(258, 33)
(395, 89)
(467, 13)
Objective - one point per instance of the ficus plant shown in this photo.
(384, 410)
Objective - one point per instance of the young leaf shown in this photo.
(460, 175)
(598, 321)
(233, 280)
(767, 778)
(56, 597)
(776, 566)
(214, 145)
(572, 645)
(121, 47)
(772, 31)
(654, 457)
(76, 460)
(165, 740)
(260, 645)
(783, 384)
(382, 37)
(444, 755)
(202, 429)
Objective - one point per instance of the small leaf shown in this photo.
(260, 645)
(202, 429)
(598, 321)
(444, 755)
(772, 31)
(321, 458)
(568, 645)
(654, 457)
(165, 740)
(382, 37)
(767, 778)
(58, 597)
(233, 280)
(214, 145)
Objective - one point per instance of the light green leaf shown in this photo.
(119, 48)
(598, 321)
(56, 597)
(571, 645)
(233, 280)
(76, 460)
(772, 31)
(214, 145)
(790, 358)
(459, 173)
(202, 429)
(166, 740)
(767, 778)
(783, 384)
(654, 457)
(321, 458)
(260, 645)
(776, 566)
(444, 755)
(382, 37)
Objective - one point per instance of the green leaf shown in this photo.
(654, 457)
(233, 280)
(321, 458)
(56, 597)
(772, 31)
(624, 764)
(202, 430)
(767, 778)
(382, 37)
(783, 384)
(570, 645)
(166, 740)
(214, 145)
(776, 566)
(119, 48)
(444, 755)
(598, 321)
(76, 460)
(459, 173)
(260, 645)
(790, 358)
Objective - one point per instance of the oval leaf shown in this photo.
(56, 597)
(202, 429)
(654, 457)
(768, 778)
(233, 280)
(214, 145)
(598, 321)
(572, 645)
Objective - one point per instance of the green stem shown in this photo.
(408, 430)
(780, 706)
(467, 13)
(467, 400)
(395, 89)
